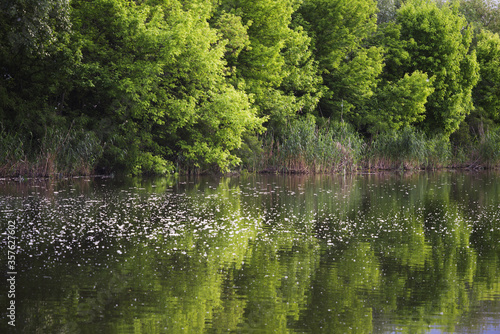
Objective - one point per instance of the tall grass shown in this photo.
(68, 152)
(12, 153)
(59, 151)
(480, 150)
(408, 149)
(303, 147)
(489, 148)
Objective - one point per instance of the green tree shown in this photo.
(387, 10)
(438, 40)
(34, 60)
(153, 78)
(349, 66)
(484, 14)
(277, 68)
(400, 96)
(399, 104)
(487, 92)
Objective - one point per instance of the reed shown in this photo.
(438, 152)
(303, 147)
(409, 149)
(489, 148)
(481, 150)
(12, 152)
(59, 152)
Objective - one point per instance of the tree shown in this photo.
(400, 103)
(153, 78)
(487, 92)
(484, 14)
(400, 97)
(35, 57)
(277, 67)
(387, 10)
(438, 40)
(349, 66)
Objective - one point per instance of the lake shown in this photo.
(374, 253)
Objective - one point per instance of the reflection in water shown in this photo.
(382, 253)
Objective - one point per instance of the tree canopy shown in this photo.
(174, 84)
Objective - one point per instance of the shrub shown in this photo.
(149, 164)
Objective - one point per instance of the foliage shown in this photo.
(36, 27)
(398, 104)
(387, 10)
(483, 14)
(349, 66)
(66, 151)
(35, 60)
(277, 68)
(235, 34)
(439, 152)
(12, 152)
(192, 84)
(149, 164)
(60, 151)
(487, 92)
(489, 148)
(171, 80)
(438, 41)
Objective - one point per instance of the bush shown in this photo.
(149, 164)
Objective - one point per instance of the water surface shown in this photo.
(381, 253)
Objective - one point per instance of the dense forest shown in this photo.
(163, 86)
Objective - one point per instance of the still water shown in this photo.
(382, 253)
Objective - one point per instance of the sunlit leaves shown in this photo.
(487, 93)
(438, 44)
(401, 103)
(339, 30)
(277, 66)
(162, 67)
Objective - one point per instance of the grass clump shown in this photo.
(12, 153)
(59, 151)
(409, 149)
(68, 152)
(303, 147)
(489, 148)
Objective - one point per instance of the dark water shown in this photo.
(415, 253)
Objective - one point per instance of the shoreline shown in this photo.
(361, 171)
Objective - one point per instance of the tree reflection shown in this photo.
(301, 254)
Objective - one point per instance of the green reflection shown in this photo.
(347, 254)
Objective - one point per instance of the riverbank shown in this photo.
(301, 147)
(404, 167)
(305, 147)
